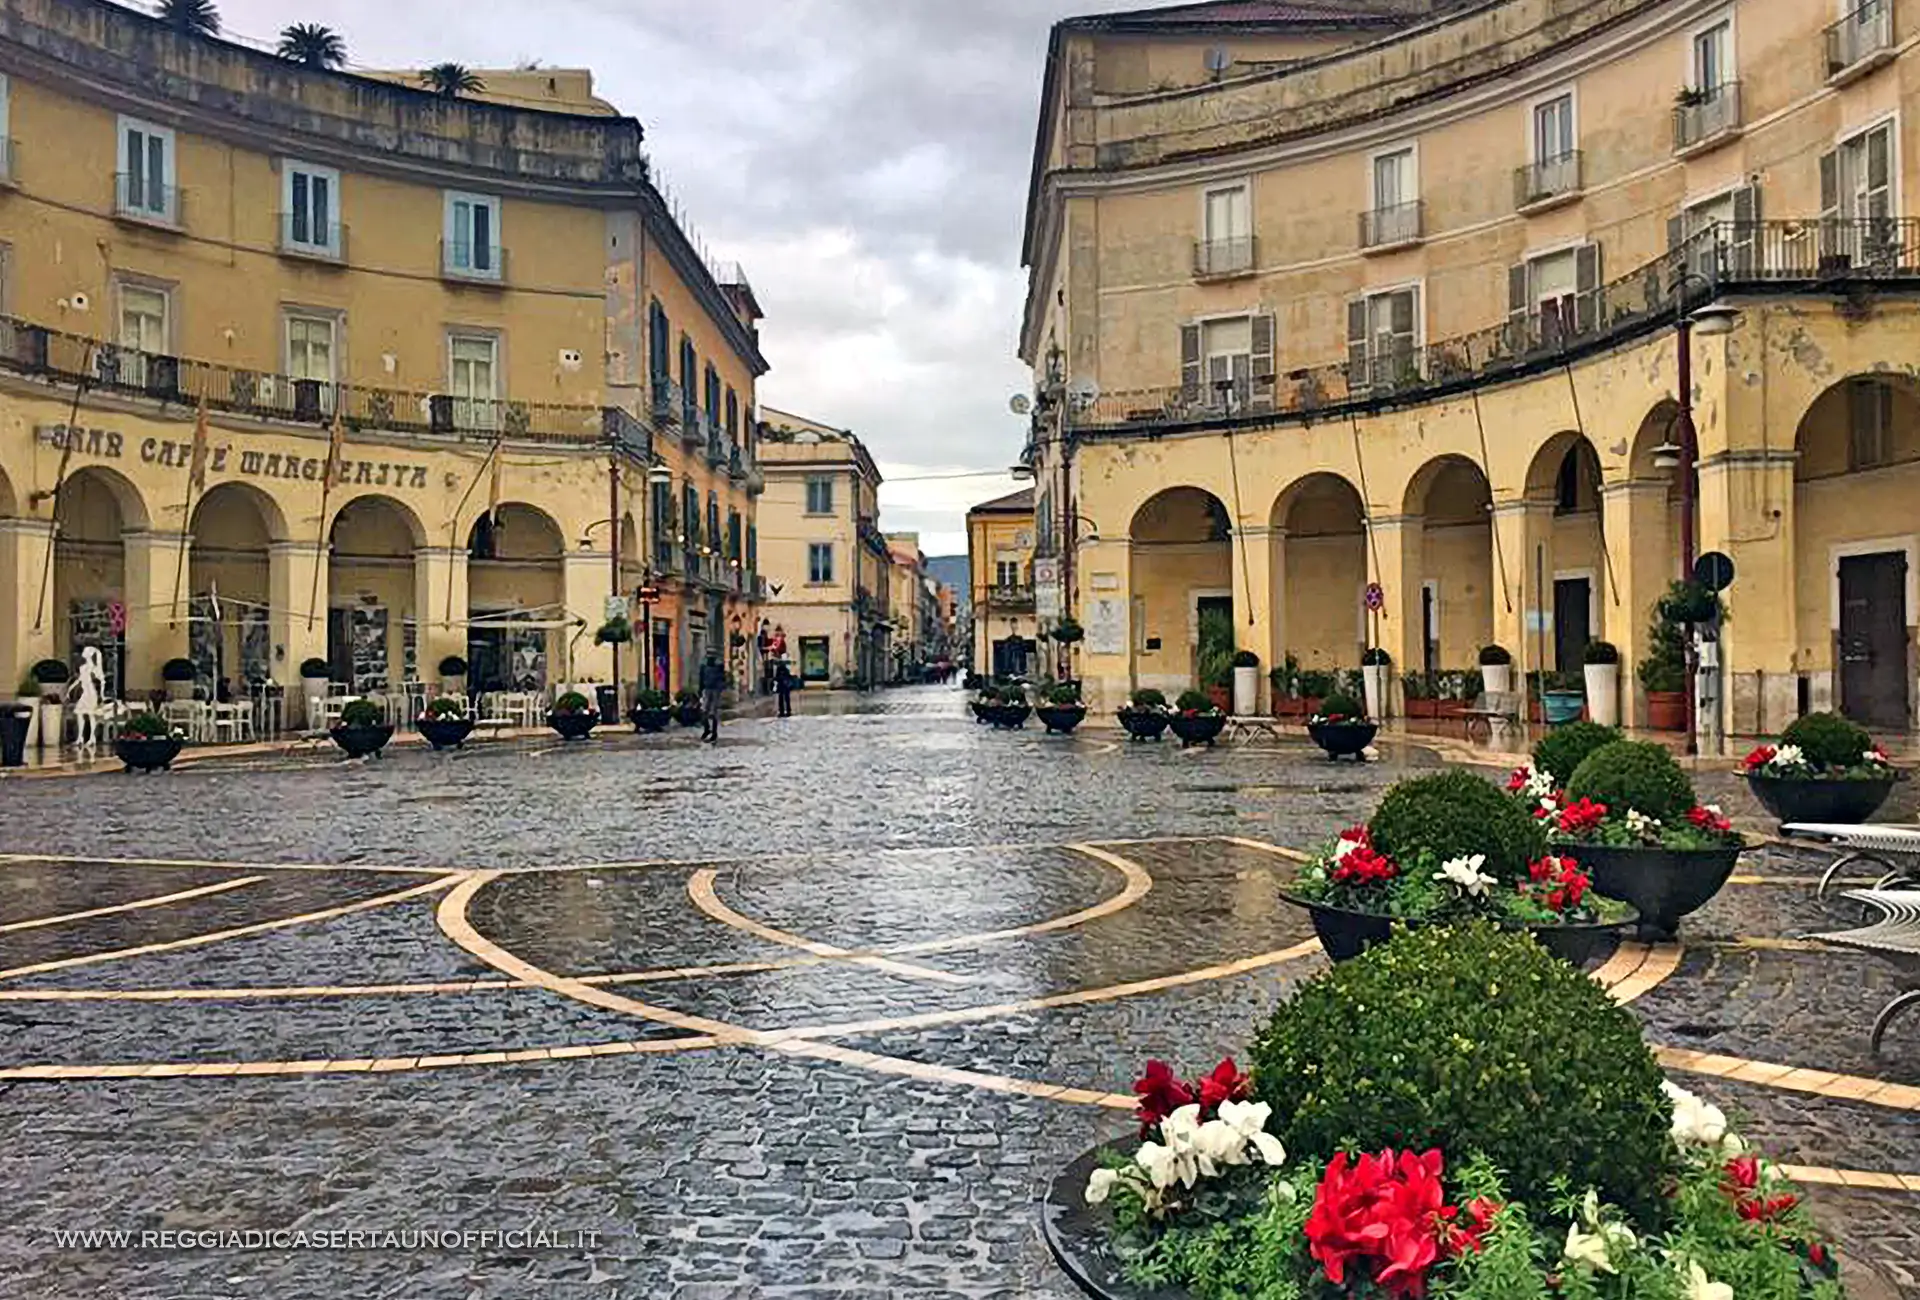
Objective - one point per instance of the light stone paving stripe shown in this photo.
(962, 1078)
(1291, 855)
(1820, 1083)
(193, 941)
(157, 900)
(700, 890)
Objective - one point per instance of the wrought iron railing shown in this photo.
(463, 259)
(1548, 179)
(146, 199)
(1214, 258)
(736, 466)
(1014, 596)
(1402, 223)
(303, 235)
(1860, 36)
(627, 434)
(1706, 114)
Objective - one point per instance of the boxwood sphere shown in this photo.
(1346, 705)
(1472, 1040)
(1456, 814)
(1637, 775)
(1828, 740)
(1562, 749)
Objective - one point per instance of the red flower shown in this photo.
(1582, 816)
(1365, 866)
(1709, 820)
(1518, 781)
(1382, 1214)
(1816, 1254)
(1467, 1236)
(1742, 1181)
(1226, 1083)
(1761, 1209)
(1759, 758)
(1160, 1094)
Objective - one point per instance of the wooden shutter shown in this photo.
(1263, 360)
(1586, 275)
(1676, 232)
(1400, 321)
(1518, 307)
(1741, 260)
(1357, 345)
(1833, 240)
(1190, 364)
(1240, 371)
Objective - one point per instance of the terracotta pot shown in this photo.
(1667, 710)
(1423, 708)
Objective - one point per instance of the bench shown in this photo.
(1894, 937)
(1502, 707)
(1242, 729)
(1878, 845)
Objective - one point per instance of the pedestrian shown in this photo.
(783, 683)
(713, 680)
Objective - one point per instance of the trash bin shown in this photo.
(609, 697)
(14, 719)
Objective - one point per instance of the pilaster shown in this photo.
(157, 605)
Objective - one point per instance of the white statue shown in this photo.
(88, 691)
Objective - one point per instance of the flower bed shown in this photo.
(146, 743)
(445, 723)
(573, 716)
(360, 733)
(1824, 769)
(1060, 711)
(650, 712)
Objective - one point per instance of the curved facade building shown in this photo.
(1336, 294)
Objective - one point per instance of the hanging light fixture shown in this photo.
(1715, 319)
(1666, 456)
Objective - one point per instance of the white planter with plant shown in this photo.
(1602, 673)
(314, 681)
(1246, 683)
(50, 678)
(453, 677)
(1496, 669)
(1376, 679)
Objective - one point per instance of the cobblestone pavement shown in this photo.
(813, 1013)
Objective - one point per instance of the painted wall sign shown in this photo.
(1106, 626)
(227, 458)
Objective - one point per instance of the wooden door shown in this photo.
(1873, 639)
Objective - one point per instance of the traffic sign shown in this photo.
(1375, 597)
(1714, 571)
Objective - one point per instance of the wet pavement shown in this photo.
(816, 1011)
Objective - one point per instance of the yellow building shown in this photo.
(826, 562)
(459, 307)
(1392, 299)
(1000, 550)
(911, 606)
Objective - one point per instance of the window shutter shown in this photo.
(1263, 359)
(1830, 185)
(322, 213)
(1240, 369)
(1879, 174)
(1746, 230)
(1403, 305)
(1518, 307)
(1190, 364)
(1357, 344)
(1586, 272)
(1676, 232)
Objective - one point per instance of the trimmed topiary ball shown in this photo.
(1564, 748)
(1344, 705)
(1828, 740)
(1455, 814)
(1475, 1041)
(1635, 775)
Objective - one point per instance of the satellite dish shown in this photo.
(1083, 391)
(1218, 60)
(1020, 405)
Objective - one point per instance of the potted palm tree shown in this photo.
(1196, 719)
(178, 674)
(361, 731)
(1823, 769)
(446, 724)
(650, 712)
(1246, 683)
(573, 715)
(1145, 715)
(1341, 727)
(147, 744)
(1601, 669)
(1060, 709)
(1376, 675)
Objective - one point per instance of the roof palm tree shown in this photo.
(196, 16)
(451, 79)
(313, 45)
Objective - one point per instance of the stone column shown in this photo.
(439, 607)
(297, 597)
(1394, 546)
(587, 584)
(26, 546)
(1635, 527)
(1522, 551)
(157, 605)
(1746, 512)
(1103, 581)
(1253, 616)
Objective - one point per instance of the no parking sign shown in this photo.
(1375, 597)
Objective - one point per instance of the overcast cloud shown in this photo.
(865, 160)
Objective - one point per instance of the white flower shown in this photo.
(1177, 1129)
(1788, 756)
(1699, 1287)
(1162, 1166)
(1100, 1184)
(1540, 782)
(1465, 874)
(1593, 1242)
(1344, 846)
(1589, 1248)
(1641, 824)
(1549, 805)
(1217, 1144)
(1696, 1121)
(1271, 1152)
(1875, 756)
(1245, 1117)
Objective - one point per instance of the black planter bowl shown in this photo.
(1343, 739)
(1664, 884)
(1060, 719)
(1346, 934)
(446, 733)
(1081, 1235)
(358, 742)
(147, 754)
(688, 715)
(1144, 724)
(1007, 717)
(1844, 800)
(649, 721)
(574, 726)
(1197, 728)
(978, 710)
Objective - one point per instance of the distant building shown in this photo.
(912, 606)
(1000, 551)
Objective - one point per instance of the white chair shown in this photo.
(233, 722)
(192, 716)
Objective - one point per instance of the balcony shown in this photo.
(692, 433)
(664, 402)
(1860, 42)
(1223, 259)
(1011, 598)
(627, 435)
(716, 444)
(1385, 229)
(1547, 184)
(147, 202)
(303, 236)
(466, 261)
(1704, 119)
(736, 466)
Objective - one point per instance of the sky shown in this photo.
(865, 160)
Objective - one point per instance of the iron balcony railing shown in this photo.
(1863, 37)
(462, 259)
(664, 402)
(1009, 596)
(1391, 227)
(301, 235)
(1547, 180)
(716, 444)
(1215, 259)
(736, 467)
(1820, 255)
(141, 198)
(627, 434)
(692, 433)
(1706, 115)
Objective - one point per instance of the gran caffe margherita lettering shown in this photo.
(225, 458)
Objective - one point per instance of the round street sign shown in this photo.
(1714, 571)
(1376, 597)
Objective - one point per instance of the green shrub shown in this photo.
(315, 667)
(1601, 652)
(1148, 698)
(572, 702)
(1063, 694)
(360, 713)
(1493, 655)
(52, 672)
(1069, 632)
(1456, 814)
(1375, 657)
(1563, 749)
(1475, 1041)
(1635, 775)
(1827, 739)
(453, 666)
(1345, 705)
(181, 670)
(686, 696)
(1192, 701)
(1245, 659)
(445, 708)
(145, 726)
(647, 698)
(1317, 684)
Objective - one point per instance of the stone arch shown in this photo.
(95, 509)
(1319, 559)
(1182, 576)
(1565, 478)
(516, 585)
(9, 503)
(1447, 546)
(1656, 427)
(230, 581)
(372, 636)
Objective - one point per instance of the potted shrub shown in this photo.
(147, 744)
(1559, 755)
(1340, 726)
(1388, 1144)
(1069, 632)
(1196, 719)
(1146, 714)
(360, 730)
(1246, 683)
(686, 708)
(573, 715)
(1284, 683)
(1823, 769)
(314, 680)
(1496, 668)
(1600, 666)
(178, 674)
(615, 631)
(650, 712)
(51, 677)
(1060, 709)
(1006, 706)
(1630, 815)
(445, 723)
(1559, 698)
(1419, 690)
(453, 675)
(1315, 685)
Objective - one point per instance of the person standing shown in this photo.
(713, 680)
(783, 683)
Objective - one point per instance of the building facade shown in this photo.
(1000, 550)
(912, 606)
(1387, 306)
(296, 364)
(827, 563)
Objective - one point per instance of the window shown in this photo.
(689, 394)
(1713, 58)
(1869, 419)
(1393, 180)
(310, 356)
(819, 496)
(659, 344)
(146, 187)
(471, 378)
(1395, 216)
(820, 562)
(143, 319)
(1858, 200)
(1228, 363)
(1554, 296)
(713, 399)
(309, 197)
(733, 417)
(473, 236)
(1719, 233)
(6, 131)
(1383, 339)
(1226, 236)
(1006, 573)
(1553, 129)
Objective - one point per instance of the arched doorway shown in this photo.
(1565, 480)
(1182, 584)
(1857, 548)
(371, 634)
(229, 575)
(1321, 533)
(1448, 506)
(516, 599)
(92, 514)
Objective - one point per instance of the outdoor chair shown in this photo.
(1490, 709)
(1875, 845)
(1894, 937)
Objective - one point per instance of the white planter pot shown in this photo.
(1246, 691)
(1603, 693)
(1374, 679)
(454, 687)
(33, 719)
(179, 691)
(311, 688)
(53, 724)
(1497, 677)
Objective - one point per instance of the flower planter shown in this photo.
(445, 733)
(1346, 934)
(1144, 724)
(359, 742)
(649, 721)
(1081, 1235)
(1849, 801)
(1603, 692)
(1197, 728)
(1007, 717)
(1562, 706)
(1343, 739)
(1373, 684)
(1060, 719)
(688, 715)
(53, 724)
(1496, 677)
(1417, 709)
(1664, 884)
(1289, 706)
(1246, 691)
(147, 754)
(574, 726)
(1667, 710)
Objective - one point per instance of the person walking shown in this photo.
(713, 680)
(783, 683)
